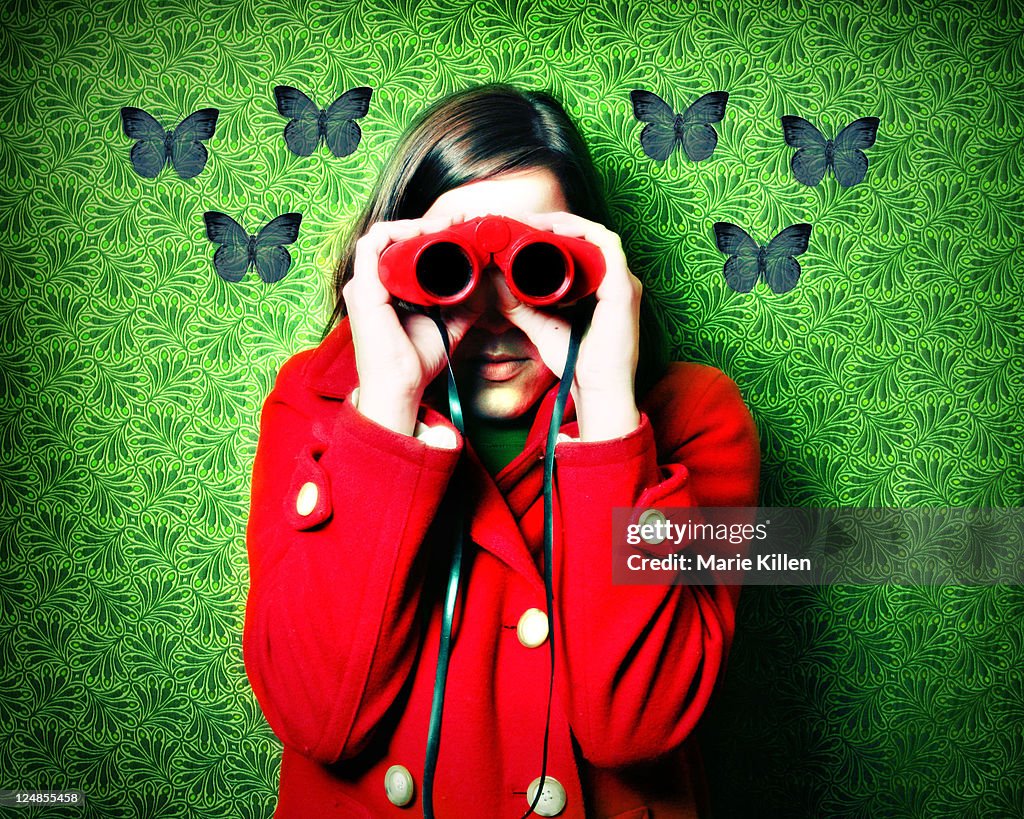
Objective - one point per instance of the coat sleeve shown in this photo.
(638, 662)
(333, 565)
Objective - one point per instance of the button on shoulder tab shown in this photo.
(307, 499)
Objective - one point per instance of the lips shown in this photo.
(499, 367)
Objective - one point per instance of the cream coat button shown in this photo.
(552, 798)
(398, 785)
(652, 523)
(305, 503)
(532, 630)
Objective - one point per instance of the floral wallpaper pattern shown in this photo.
(131, 373)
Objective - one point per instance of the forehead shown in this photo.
(533, 191)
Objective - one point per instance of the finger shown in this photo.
(365, 286)
(460, 317)
(380, 235)
(561, 222)
(458, 322)
(571, 225)
(548, 332)
(618, 282)
(619, 285)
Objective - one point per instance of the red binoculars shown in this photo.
(541, 268)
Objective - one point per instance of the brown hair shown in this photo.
(472, 135)
(478, 134)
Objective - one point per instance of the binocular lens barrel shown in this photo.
(539, 271)
(444, 270)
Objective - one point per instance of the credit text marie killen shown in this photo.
(661, 530)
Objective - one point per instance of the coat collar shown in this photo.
(331, 371)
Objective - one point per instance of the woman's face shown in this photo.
(498, 368)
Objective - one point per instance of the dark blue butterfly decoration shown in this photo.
(665, 128)
(774, 263)
(309, 125)
(844, 155)
(239, 250)
(182, 146)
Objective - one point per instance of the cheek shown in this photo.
(536, 380)
(526, 387)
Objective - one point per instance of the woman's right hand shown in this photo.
(397, 353)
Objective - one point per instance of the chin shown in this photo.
(492, 405)
(505, 402)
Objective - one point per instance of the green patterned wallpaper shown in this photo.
(132, 375)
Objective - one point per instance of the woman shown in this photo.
(361, 480)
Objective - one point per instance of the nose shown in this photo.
(491, 318)
(493, 322)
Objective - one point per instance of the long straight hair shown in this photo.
(481, 133)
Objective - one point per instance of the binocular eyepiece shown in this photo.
(541, 268)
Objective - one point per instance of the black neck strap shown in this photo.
(451, 595)
(580, 320)
(579, 324)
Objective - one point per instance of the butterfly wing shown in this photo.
(808, 163)
(848, 160)
(231, 259)
(781, 270)
(302, 133)
(799, 133)
(709, 108)
(149, 153)
(658, 137)
(188, 154)
(741, 268)
(199, 125)
(699, 138)
(343, 132)
(273, 260)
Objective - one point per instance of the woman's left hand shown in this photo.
(602, 388)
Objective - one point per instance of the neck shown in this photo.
(497, 442)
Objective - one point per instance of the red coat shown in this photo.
(348, 558)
